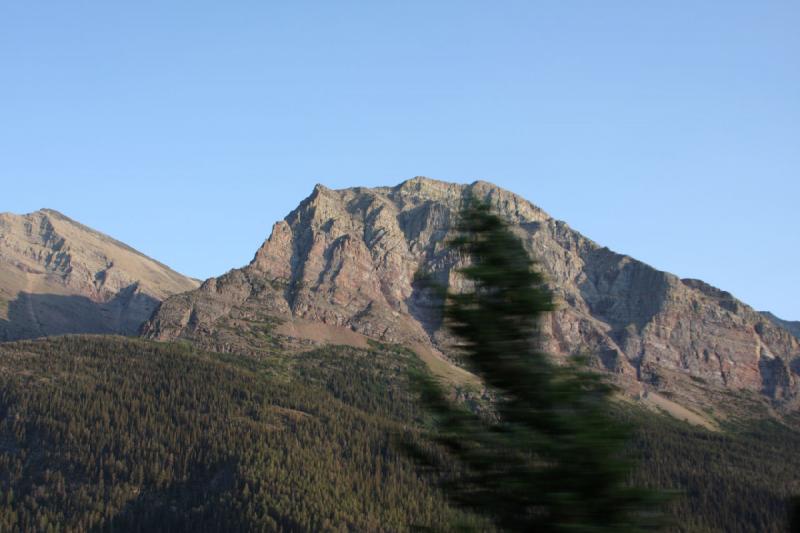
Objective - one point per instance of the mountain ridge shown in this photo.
(352, 258)
(792, 326)
(117, 242)
(59, 276)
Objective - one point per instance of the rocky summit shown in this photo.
(58, 276)
(352, 264)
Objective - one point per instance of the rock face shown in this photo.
(793, 327)
(58, 276)
(352, 258)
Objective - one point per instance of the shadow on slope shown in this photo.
(40, 315)
(164, 510)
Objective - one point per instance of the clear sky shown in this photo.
(667, 130)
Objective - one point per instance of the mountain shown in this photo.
(793, 327)
(58, 276)
(347, 265)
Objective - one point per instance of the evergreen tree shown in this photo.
(794, 514)
(551, 457)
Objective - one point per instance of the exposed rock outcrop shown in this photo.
(58, 276)
(792, 327)
(352, 258)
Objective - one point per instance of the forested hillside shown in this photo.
(102, 432)
(735, 480)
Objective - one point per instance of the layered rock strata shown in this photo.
(354, 259)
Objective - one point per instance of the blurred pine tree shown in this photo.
(552, 459)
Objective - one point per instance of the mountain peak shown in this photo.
(49, 211)
(422, 184)
(320, 189)
(351, 258)
(418, 182)
(59, 276)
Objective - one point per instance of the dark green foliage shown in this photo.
(376, 382)
(738, 480)
(101, 432)
(551, 460)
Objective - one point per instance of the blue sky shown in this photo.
(668, 130)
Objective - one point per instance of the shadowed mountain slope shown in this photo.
(352, 260)
(58, 276)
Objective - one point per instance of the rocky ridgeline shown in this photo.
(354, 258)
(792, 327)
(58, 276)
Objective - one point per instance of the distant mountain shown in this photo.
(347, 265)
(788, 325)
(58, 276)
